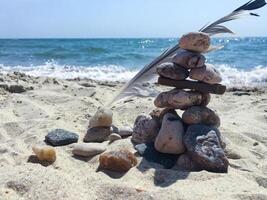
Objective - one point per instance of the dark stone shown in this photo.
(97, 134)
(172, 71)
(16, 89)
(204, 146)
(185, 162)
(149, 152)
(59, 137)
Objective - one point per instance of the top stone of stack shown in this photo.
(195, 41)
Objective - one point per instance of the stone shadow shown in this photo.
(35, 160)
(166, 172)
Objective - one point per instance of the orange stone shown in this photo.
(120, 161)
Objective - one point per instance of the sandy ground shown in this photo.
(25, 119)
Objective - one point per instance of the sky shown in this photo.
(119, 18)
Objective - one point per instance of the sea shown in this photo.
(242, 61)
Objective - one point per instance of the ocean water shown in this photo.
(242, 61)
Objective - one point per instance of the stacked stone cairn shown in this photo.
(194, 137)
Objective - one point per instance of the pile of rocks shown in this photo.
(195, 134)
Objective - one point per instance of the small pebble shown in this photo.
(195, 41)
(97, 134)
(59, 137)
(114, 136)
(45, 153)
(103, 117)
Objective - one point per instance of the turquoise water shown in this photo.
(241, 61)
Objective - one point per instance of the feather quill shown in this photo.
(135, 87)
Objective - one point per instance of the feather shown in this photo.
(216, 28)
(135, 87)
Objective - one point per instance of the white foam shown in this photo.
(231, 76)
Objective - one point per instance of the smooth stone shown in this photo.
(97, 134)
(205, 99)
(125, 131)
(170, 137)
(186, 163)
(145, 129)
(120, 161)
(172, 71)
(203, 144)
(207, 74)
(113, 137)
(158, 113)
(102, 117)
(59, 137)
(88, 149)
(195, 41)
(149, 152)
(45, 153)
(201, 115)
(178, 99)
(188, 59)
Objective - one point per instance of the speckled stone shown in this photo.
(201, 115)
(207, 74)
(145, 129)
(195, 41)
(178, 99)
(59, 137)
(203, 144)
(172, 71)
(188, 59)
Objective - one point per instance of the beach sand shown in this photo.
(48, 103)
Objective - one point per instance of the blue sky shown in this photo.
(119, 18)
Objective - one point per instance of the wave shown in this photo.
(232, 77)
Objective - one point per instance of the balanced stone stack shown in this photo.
(195, 135)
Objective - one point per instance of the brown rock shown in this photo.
(178, 99)
(120, 161)
(195, 41)
(207, 74)
(145, 129)
(97, 134)
(188, 59)
(158, 113)
(205, 99)
(172, 71)
(170, 137)
(204, 146)
(201, 115)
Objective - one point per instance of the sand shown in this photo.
(26, 118)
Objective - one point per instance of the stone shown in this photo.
(186, 163)
(178, 99)
(193, 85)
(188, 59)
(97, 134)
(16, 89)
(158, 113)
(201, 115)
(125, 131)
(88, 149)
(195, 41)
(113, 137)
(170, 137)
(102, 118)
(207, 74)
(120, 161)
(172, 71)
(145, 129)
(45, 153)
(149, 152)
(203, 144)
(205, 99)
(59, 137)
